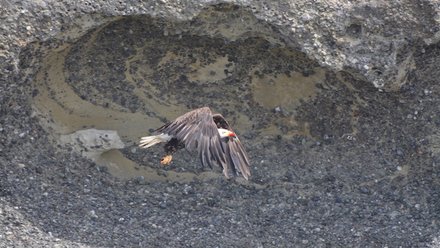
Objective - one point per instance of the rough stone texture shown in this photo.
(336, 163)
(373, 39)
(92, 142)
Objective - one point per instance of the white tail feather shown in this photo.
(149, 141)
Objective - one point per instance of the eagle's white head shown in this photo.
(224, 133)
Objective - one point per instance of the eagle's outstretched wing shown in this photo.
(198, 130)
(235, 154)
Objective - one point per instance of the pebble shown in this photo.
(93, 214)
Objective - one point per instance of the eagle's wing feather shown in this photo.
(236, 158)
(239, 154)
(235, 153)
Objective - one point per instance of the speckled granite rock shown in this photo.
(374, 40)
(335, 162)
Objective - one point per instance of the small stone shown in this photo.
(93, 214)
(364, 190)
(140, 179)
(394, 214)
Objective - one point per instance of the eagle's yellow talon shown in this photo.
(166, 160)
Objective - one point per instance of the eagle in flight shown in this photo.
(207, 133)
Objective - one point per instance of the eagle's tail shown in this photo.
(149, 141)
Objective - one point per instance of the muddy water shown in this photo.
(129, 77)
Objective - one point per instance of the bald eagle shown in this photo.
(207, 133)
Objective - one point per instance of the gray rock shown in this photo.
(374, 41)
(93, 142)
(340, 165)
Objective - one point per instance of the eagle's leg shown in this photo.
(170, 147)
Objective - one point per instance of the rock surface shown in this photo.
(375, 40)
(92, 142)
(336, 163)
